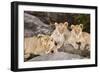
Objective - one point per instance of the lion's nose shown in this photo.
(78, 43)
(52, 51)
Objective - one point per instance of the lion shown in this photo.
(38, 45)
(58, 34)
(79, 39)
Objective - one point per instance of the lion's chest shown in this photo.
(59, 38)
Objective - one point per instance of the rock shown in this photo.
(53, 17)
(28, 33)
(33, 19)
(68, 48)
(34, 26)
(56, 56)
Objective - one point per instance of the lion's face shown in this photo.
(48, 43)
(77, 29)
(61, 27)
(51, 43)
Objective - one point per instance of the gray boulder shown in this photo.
(33, 26)
(56, 56)
(68, 48)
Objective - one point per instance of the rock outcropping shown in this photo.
(56, 56)
(34, 26)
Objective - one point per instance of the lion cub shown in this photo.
(58, 34)
(79, 39)
(38, 45)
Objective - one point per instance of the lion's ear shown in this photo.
(56, 24)
(72, 26)
(81, 25)
(66, 23)
(39, 35)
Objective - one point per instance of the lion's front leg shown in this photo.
(74, 45)
(26, 56)
(85, 47)
(55, 50)
(82, 46)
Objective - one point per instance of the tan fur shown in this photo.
(77, 35)
(38, 45)
(58, 34)
(85, 41)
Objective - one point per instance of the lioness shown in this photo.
(78, 38)
(38, 45)
(58, 34)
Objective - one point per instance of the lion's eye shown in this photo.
(51, 39)
(56, 43)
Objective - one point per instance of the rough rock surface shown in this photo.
(68, 48)
(34, 26)
(56, 56)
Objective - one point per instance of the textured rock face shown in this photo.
(56, 56)
(34, 26)
(70, 49)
